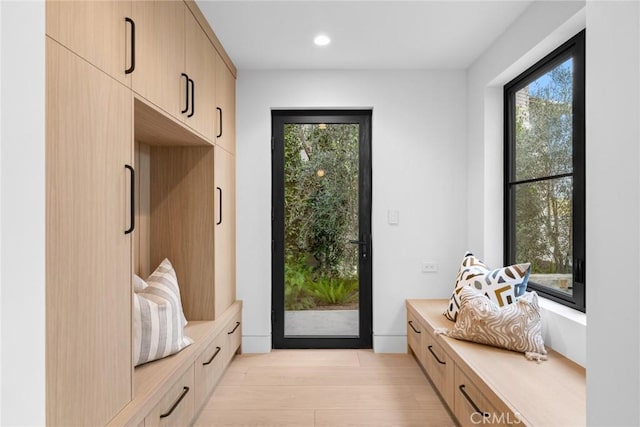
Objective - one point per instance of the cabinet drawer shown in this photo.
(209, 367)
(472, 407)
(414, 336)
(439, 366)
(234, 335)
(176, 408)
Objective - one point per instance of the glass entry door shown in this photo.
(321, 222)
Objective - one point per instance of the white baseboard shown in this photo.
(390, 343)
(256, 343)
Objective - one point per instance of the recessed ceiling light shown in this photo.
(322, 40)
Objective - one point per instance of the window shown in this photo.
(545, 173)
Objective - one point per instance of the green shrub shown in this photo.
(335, 291)
(297, 281)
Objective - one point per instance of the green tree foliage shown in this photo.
(544, 148)
(321, 205)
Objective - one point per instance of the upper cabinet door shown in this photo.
(200, 67)
(160, 43)
(88, 254)
(226, 106)
(95, 30)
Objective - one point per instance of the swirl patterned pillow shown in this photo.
(516, 327)
(501, 285)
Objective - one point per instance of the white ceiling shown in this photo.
(418, 34)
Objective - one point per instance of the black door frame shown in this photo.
(278, 119)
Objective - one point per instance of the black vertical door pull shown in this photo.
(193, 97)
(133, 46)
(132, 214)
(220, 116)
(186, 93)
(219, 206)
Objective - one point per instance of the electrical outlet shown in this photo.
(429, 267)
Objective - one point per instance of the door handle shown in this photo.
(219, 206)
(133, 46)
(364, 245)
(220, 121)
(132, 212)
(357, 242)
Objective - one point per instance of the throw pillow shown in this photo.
(516, 327)
(138, 283)
(501, 285)
(158, 319)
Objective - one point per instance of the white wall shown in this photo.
(613, 212)
(22, 199)
(418, 159)
(610, 346)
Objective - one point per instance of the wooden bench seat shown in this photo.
(474, 379)
(160, 381)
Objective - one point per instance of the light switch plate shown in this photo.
(393, 217)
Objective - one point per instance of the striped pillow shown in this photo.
(158, 320)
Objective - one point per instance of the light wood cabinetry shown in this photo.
(160, 53)
(484, 385)
(225, 231)
(233, 331)
(177, 407)
(439, 366)
(200, 66)
(209, 368)
(472, 408)
(103, 127)
(95, 30)
(226, 106)
(88, 273)
(182, 223)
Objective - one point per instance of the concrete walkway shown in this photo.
(321, 322)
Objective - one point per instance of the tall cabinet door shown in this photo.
(88, 254)
(200, 65)
(225, 232)
(160, 54)
(95, 30)
(226, 104)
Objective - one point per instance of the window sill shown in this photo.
(564, 330)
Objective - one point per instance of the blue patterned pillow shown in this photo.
(501, 285)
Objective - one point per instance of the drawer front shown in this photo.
(176, 408)
(472, 408)
(439, 366)
(415, 330)
(234, 336)
(208, 369)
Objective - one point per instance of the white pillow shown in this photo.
(158, 319)
(138, 283)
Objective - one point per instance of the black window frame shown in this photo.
(573, 48)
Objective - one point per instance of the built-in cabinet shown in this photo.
(132, 179)
(96, 31)
(88, 254)
(483, 385)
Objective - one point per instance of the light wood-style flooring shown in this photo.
(301, 388)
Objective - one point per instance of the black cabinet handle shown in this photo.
(220, 121)
(185, 390)
(193, 98)
(133, 46)
(186, 93)
(430, 348)
(234, 329)
(212, 357)
(219, 206)
(413, 327)
(471, 402)
(132, 214)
